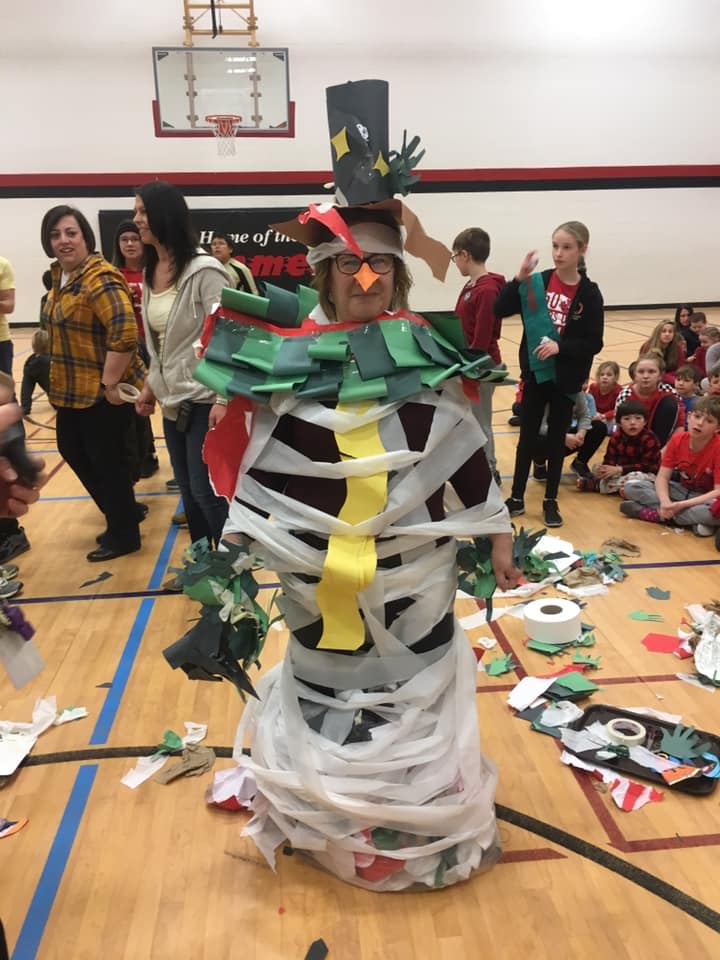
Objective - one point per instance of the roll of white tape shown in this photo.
(629, 732)
(553, 621)
(128, 392)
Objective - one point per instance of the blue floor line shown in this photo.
(124, 668)
(36, 918)
(122, 675)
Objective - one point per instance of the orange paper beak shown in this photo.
(366, 276)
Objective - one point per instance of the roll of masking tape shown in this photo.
(553, 621)
(629, 732)
(128, 392)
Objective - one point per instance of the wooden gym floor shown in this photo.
(104, 871)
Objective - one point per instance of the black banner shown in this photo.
(270, 255)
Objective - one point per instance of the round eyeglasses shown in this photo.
(349, 264)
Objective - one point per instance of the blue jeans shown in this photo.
(206, 513)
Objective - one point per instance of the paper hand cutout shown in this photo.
(683, 743)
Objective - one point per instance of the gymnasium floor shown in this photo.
(104, 871)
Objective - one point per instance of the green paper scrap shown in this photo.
(293, 358)
(259, 349)
(431, 348)
(541, 728)
(354, 389)
(433, 377)
(371, 354)
(243, 302)
(644, 615)
(683, 743)
(500, 665)
(171, 743)
(403, 384)
(576, 682)
(284, 307)
(307, 300)
(548, 648)
(449, 328)
(592, 662)
(657, 593)
(332, 345)
(402, 346)
(585, 640)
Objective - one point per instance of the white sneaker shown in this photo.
(703, 530)
(9, 588)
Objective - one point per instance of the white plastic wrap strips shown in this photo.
(418, 777)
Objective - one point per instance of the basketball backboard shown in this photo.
(194, 83)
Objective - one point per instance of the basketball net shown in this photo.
(225, 127)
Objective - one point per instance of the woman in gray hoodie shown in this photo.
(182, 284)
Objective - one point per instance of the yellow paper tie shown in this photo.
(350, 562)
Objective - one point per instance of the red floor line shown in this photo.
(506, 647)
(55, 470)
(672, 843)
(613, 831)
(523, 856)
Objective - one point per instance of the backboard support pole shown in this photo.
(243, 22)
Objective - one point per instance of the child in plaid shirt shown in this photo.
(633, 452)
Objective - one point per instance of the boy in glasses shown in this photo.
(481, 327)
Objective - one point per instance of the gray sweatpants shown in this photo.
(643, 491)
(483, 415)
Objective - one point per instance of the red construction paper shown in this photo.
(225, 446)
(661, 642)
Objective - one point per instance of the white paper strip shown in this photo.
(144, 769)
(528, 690)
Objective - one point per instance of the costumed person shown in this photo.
(364, 744)
(562, 314)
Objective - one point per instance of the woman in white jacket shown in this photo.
(181, 286)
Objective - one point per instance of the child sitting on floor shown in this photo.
(687, 384)
(36, 370)
(633, 452)
(709, 337)
(687, 487)
(605, 391)
(583, 437)
(660, 399)
(711, 383)
(667, 343)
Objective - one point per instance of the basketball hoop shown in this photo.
(225, 128)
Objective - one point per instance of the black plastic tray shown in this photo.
(700, 786)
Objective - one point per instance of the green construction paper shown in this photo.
(537, 324)
(282, 384)
(402, 346)
(500, 665)
(372, 356)
(433, 378)
(243, 381)
(332, 345)
(657, 593)
(292, 358)
(403, 384)
(431, 348)
(171, 742)
(354, 389)
(214, 376)
(307, 300)
(592, 662)
(259, 349)
(577, 683)
(548, 648)
(324, 383)
(541, 728)
(643, 615)
(202, 592)
(585, 640)
(683, 743)
(242, 302)
(449, 327)
(228, 337)
(283, 309)
(385, 839)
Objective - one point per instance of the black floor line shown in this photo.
(642, 878)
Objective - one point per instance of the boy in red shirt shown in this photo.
(687, 487)
(481, 327)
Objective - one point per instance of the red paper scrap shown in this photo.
(478, 651)
(661, 642)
